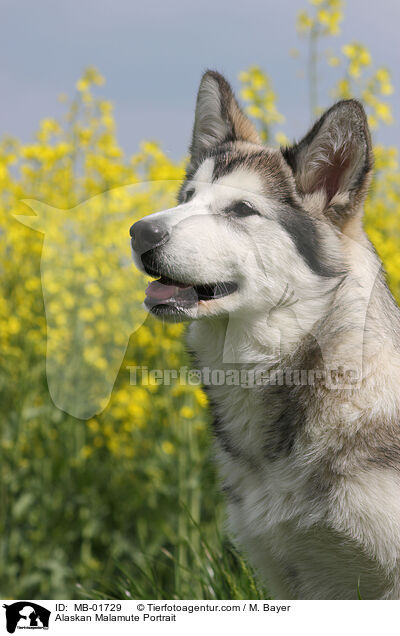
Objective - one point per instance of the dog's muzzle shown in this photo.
(170, 295)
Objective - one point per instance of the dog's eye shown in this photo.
(242, 208)
(188, 195)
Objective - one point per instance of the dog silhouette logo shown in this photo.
(26, 615)
(89, 290)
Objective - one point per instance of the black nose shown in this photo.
(148, 234)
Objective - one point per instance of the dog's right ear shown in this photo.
(218, 118)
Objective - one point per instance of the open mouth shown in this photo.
(172, 293)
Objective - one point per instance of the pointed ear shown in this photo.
(218, 117)
(45, 214)
(335, 158)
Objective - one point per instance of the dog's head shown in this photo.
(254, 221)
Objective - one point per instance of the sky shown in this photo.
(152, 55)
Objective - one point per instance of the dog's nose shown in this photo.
(148, 234)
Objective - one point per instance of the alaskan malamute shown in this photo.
(266, 254)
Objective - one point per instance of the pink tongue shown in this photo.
(159, 291)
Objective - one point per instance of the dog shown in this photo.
(266, 256)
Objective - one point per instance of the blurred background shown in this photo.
(152, 55)
(121, 499)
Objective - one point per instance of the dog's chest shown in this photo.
(255, 430)
(264, 480)
(280, 491)
(277, 508)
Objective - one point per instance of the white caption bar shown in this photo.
(177, 617)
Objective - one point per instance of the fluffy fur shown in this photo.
(311, 470)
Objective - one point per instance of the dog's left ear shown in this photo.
(218, 117)
(335, 160)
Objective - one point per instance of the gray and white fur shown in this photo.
(266, 255)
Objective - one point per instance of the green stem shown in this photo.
(312, 71)
(182, 519)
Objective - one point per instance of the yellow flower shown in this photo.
(282, 139)
(14, 325)
(82, 85)
(372, 121)
(354, 69)
(334, 60)
(86, 451)
(257, 90)
(201, 397)
(186, 412)
(365, 57)
(344, 89)
(386, 89)
(382, 75)
(304, 22)
(383, 112)
(255, 111)
(349, 50)
(247, 94)
(93, 425)
(168, 447)
(323, 16)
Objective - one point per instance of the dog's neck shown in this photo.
(258, 337)
(249, 342)
(337, 330)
